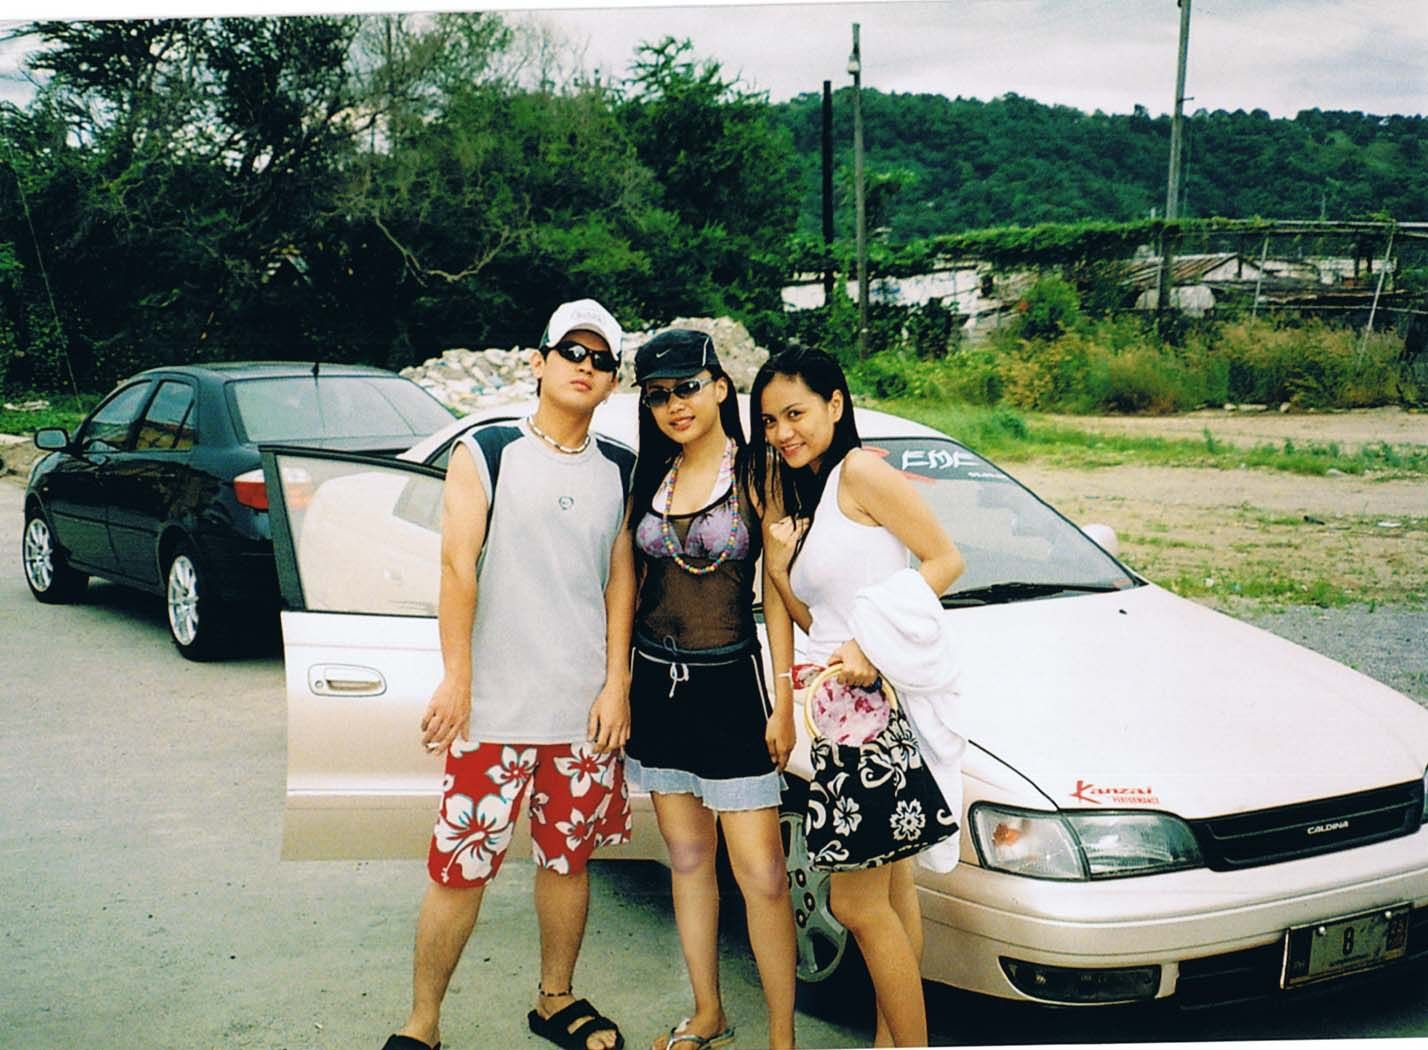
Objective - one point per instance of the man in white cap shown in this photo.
(534, 698)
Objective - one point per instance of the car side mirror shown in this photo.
(52, 439)
(1104, 537)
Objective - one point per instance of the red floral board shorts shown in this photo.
(578, 801)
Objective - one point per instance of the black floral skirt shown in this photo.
(875, 803)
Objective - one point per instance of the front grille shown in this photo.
(1254, 973)
(1307, 829)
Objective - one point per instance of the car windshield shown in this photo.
(301, 407)
(1015, 546)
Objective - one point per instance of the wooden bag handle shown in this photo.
(823, 676)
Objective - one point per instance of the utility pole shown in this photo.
(855, 66)
(827, 192)
(1172, 190)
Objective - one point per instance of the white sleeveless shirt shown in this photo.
(839, 558)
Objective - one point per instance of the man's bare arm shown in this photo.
(463, 530)
(609, 724)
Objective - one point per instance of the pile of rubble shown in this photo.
(466, 380)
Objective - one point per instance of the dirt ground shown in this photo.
(1283, 538)
(1256, 534)
(1352, 429)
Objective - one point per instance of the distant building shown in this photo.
(970, 290)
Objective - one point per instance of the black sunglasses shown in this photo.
(658, 396)
(575, 353)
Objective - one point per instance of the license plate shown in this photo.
(1344, 945)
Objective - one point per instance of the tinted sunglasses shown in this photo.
(575, 353)
(658, 396)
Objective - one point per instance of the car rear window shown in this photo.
(300, 407)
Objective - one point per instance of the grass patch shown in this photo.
(65, 410)
(1163, 542)
(1004, 434)
(1268, 586)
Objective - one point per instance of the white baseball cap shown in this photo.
(584, 314)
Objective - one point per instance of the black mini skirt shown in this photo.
(698, 728)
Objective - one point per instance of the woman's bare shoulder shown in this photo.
(864, 468)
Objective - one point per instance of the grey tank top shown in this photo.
(538, 641)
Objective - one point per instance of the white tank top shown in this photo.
(839, 558)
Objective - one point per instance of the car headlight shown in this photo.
(1119, 844)
(1026, 842)
(1079, 846)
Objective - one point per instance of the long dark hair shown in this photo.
(657, 450)
(799, 489)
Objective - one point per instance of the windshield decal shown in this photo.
(939, 461)
(1097, 795)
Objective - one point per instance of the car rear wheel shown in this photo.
(47, 571)
(830, 969)
(193, 610)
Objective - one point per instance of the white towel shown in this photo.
(901, 627)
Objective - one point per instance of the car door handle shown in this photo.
(345, 680)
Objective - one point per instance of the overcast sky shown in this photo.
(1277, 55)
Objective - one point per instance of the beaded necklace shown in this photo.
(538, 432)
(666, 530)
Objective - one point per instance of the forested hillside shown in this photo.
(382, 188)
(939, 165)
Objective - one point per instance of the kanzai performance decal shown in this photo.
(1099, 795)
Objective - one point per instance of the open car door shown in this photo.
(357, 540)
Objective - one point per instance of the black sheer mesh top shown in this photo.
(709, 613)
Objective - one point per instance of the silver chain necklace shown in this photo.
(538, 432)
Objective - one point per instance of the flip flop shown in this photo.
(697, 1042)
(406, 1042)
(557, 1028)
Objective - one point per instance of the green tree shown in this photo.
(725, 172)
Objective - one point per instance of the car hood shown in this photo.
(1139, 699)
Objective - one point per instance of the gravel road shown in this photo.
(1390, 644)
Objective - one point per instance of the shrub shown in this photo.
(1311, 365)
(1050, 308)
(974, 377)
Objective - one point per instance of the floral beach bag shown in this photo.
(872, 799)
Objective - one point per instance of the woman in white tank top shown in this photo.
(838, 518)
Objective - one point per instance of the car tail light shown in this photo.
(251, 489)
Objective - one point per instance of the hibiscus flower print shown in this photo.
(462, 746)
(619, 835)
(560, 865)
(830, 855)
(473, 834)
(846, 817)
(907, 820)
(586, 767)
(512, 772)
(538, 801)
(577, 829)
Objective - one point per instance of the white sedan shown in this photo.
(1161, 801)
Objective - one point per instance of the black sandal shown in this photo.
(557, 1028)
(406, 1042)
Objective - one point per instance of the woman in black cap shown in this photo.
(706, 741)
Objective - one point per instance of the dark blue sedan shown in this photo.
(161, 487)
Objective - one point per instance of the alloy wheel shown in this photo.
(39, 554)
(183, 599)
(821, 938)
